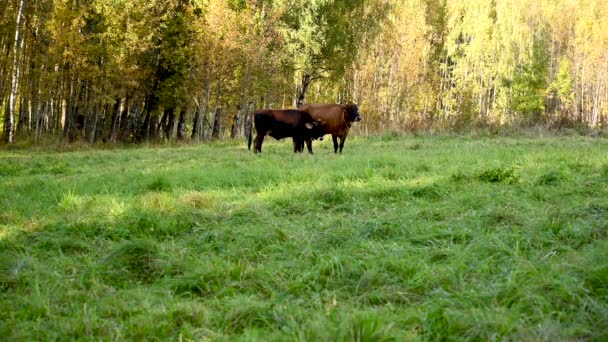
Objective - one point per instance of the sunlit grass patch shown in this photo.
(197, 199)
(507, 175)
(159, 202)
(72, 202)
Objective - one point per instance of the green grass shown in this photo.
(400, 238)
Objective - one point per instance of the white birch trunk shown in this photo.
(10, 124)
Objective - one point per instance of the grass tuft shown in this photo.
(382, 230)
(67, 245)
(500, 217)
(499, 175)
(432, 191)
(137, 260)
(369, 327)
(460, 176)
(550, 178)
(9, 169)
(244, 313)
(604, 170)
(14, 270)
(159, 183)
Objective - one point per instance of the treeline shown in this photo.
(140, 70)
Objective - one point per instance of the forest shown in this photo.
(156, 70)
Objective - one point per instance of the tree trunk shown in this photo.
(100, 123)
(302, 89)
(23, 122)
(248, 121)
(40, 122)
(94, 124)
(4, 79)
(123, 130)
(162, 123)
(35, 94)
(197, 125)
(115, 121)
(9, 124)
(145, 126)
(239, 121)
(216, 124)
(170, 112)
(68, 112)
(154, 129)
(181, 124)
(150, 106)
(235, 124)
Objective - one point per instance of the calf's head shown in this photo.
(315, 129)
(352, 113)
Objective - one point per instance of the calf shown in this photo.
(336, 119)
(281, 124)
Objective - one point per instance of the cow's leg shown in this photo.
(342, 139)
(259, 139)
(308, 144)
(298, 145)
(335, 140)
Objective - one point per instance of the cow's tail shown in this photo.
(250, 133)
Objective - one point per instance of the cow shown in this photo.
(336, 119)
(281, 124)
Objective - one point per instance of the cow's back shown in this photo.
(332, 116)
(326, 112)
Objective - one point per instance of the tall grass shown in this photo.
(399, 238)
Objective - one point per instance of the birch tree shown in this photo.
(9, 126)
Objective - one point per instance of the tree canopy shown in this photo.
(134, 70)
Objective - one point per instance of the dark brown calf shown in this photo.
(281, 124)
(336, 119)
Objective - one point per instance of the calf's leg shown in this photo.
(298, 145)
(308, 145)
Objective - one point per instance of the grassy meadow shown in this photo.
(399, 238)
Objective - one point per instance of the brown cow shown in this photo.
(281, 124)
(336, 118)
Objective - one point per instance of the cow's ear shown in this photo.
(308, 125)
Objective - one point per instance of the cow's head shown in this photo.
(352, 113)
(315, 129)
